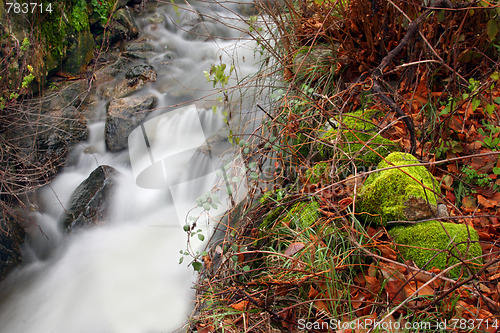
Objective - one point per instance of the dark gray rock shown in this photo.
(139, 50)
(89, 202)
(123, 26)
(11, 236)
(124, 115)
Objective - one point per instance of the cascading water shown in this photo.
(124, 275)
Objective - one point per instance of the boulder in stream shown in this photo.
(89, 202)
(124, 115)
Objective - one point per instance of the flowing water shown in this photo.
(124, 275)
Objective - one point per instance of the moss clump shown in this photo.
(405, 193)
(431, 235)
(357, 130)
(300, 215)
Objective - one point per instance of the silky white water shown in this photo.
(123, 276)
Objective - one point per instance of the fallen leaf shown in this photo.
(294, 248)
(486, 202)
(387, 252)
(240, 306)
(469, 204)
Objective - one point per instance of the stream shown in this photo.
(124, 275)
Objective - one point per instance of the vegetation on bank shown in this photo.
(309, 256)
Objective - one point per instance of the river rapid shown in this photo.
(124, 275)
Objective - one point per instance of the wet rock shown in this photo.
(124, 115)
(205, 31)
(11, 236)
(80, 52)
(89, 202)
(123, 26)
(139, 50)
(135, 78)
(141, 72)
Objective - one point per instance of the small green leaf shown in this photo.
(475, 104)
(197, 266)
(206, 206)
(254, 175)
(186, 227)
(492, 29)
(234, 258)
(201, 237)
(246, 268)
(246, 150)
(181, 259)
(496, 170)
(490, 108)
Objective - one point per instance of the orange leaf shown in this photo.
(486, 202)
(240, 306)
(313, 293)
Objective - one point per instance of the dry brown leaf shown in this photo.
(486, 202)
(387, 252)
(313, 293)
(373, 284)
(395, 291)
(294, 248)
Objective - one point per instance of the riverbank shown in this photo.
(332, 240)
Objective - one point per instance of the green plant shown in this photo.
(103, 9)
(25, 44)
(28, 78)
(79, 15)
(489, 140)
(472, 177)
(217, 75)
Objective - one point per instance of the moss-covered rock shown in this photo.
(442, 241)
(399, 194)
(302, 214)
(80, 52)
(359, 139)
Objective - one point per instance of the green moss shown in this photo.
(300, 215)
(431, 235)
(392, 195)
(356, 131)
